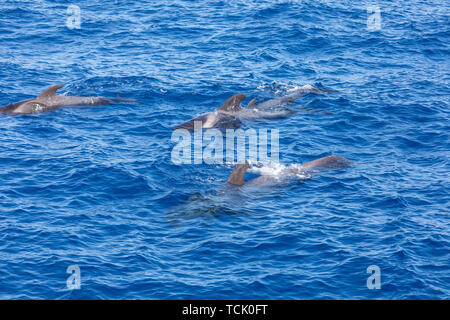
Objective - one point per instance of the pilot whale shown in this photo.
(209, 204)
(225, 116)
(288, 99)
(231, 112)
(48, 100)
(236, 177)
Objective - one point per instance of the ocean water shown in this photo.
(96, 187)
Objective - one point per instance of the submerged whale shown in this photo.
(236, 177)
(231, 112)
(48, 100)
(288, 99)
(229, 198)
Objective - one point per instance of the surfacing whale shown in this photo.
(228, 200)
(48, 100)
(288, 99)
(236, 177)
(231, 111)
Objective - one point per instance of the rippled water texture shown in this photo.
(96, 187)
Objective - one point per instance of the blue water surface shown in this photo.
(96, 187)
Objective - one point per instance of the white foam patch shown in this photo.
(282, 88)
(307, 86)
(263, 86)
(293, 88)
(272, 169)
(277, 170)
(285, 88)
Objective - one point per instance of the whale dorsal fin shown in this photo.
(50, 92)
(237, 175)
(233, 103)
(251, 103)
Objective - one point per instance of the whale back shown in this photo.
(27, 107)
(237, 175)
(330, 162)
(190, 125)
(233, 104)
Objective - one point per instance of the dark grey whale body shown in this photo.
(48, 100)
(224, 117)
(231, 111)
(326, 163)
